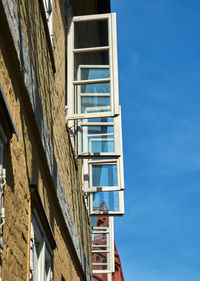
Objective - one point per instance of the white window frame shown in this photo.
(38, 264)
(91, 81)
(117, 136)
(87, 170)
(107, 212)
(113, 66)
(109, 232)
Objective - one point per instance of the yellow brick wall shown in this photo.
(52, 93)
(24, 158)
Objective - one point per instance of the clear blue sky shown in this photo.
(159, 73)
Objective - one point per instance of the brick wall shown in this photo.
(25, 159)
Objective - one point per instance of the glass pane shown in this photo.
(101, 146)
(47, 271)
(91, 34)
(99, 240)
(99, 221)
(100, 258)
(100, 58)
(106, 201)
(97, 139)
(36, 256)
(94, 73)
(95, 88)
(95, 104)
(104, 175)
(91, 98)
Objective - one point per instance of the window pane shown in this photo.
(100, 58)
(95, 88)
(100, 258)
(101, 146)
(36, 256)
(104, 175)
(106, 201)
(91, 34)
(94, 73)
(99, 240)
(95, 104)
(47, 271)
(97, 139)
(99, 221)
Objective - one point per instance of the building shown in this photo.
(60, 136)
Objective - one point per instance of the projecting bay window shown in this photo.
(102, 244)
(92, 67)
(100, 146)
(94, 114)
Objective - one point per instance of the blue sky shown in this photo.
(159, 74)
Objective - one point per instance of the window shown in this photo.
(7, 129)
(100, 137)
(42, 242)
(102, 244)
(40, 252)
(102, 175)
(48, 7)
(92, 67)
(2, 183)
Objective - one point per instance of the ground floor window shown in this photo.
(40, 252)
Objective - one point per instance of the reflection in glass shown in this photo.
(87, 60)
(106, 201)
(104, 175)
(95, 104)
(95, 88)
(97, 146)
(97, 139)
(94, 73)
